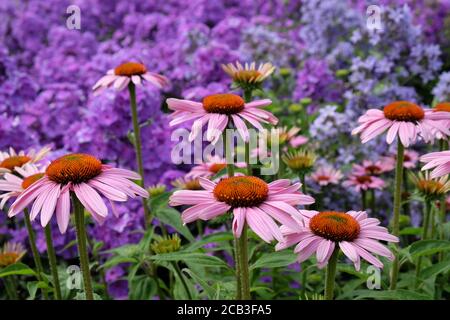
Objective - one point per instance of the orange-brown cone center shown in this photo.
(193, 185)
(364, 179)
(14, 161)
(373, 169)
(245, 191)
(74, 168)
(246, 75)
(8, 258)
(130, 69)
(443, 106)
(226, 103)
(323, 178)
(216, 167)
(403, 111)
(335, 226)
(28, 181)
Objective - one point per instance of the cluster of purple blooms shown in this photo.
(47, 72)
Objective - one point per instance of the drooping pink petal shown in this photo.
(108, 191)
(28, 196)
(189, 197)
(238, 221)
(90, 199)
(258, 225)
(63, 210)
(49, 205)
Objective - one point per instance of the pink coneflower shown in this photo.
(410, 159)
(440, 161)
(404, 119)
(11, 253)
(120, 77)
(442, 107)
(250, 199)
(14, 184)
(213, 166)
(326, 175)
(12, 159)
(354, 233)
(247, 74)
(363, 182)
(217, 111)
(292, 137)
(374, 168)
(87, 178)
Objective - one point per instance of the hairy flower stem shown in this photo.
(364, 199)
(138, 147)
(302, 178)
(10, 288)
(331, 274)
(426, 227)
(237, 259)
(34, 250)
(243, 241)
(406, 208)
(395, 223)
(443, 145)
(244, 272)
(372, 202)
(52, 261)
(82, 248)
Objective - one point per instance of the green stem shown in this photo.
(82, 248)
(199, 227)
(34, 250)
(331, 274)
(248, 95)
(395, 223)
(364, 199)
(304, 278)
(244, 272)
(302, 178)
(10, 288)
(183, 282)
(52, 261)
(426, 227)
(138, 147)
(237, 259)
(372, 201)
(406, 208)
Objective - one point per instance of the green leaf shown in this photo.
(159, 201)
(275, 259)
(117, 260)
(172, 217)
(142, 287)
(435, 269)
(212, 238)
(82, 296)
(410, 231)
(191, 257)
(427, 247)
(209, 290)
(17, 269)
(398, 294)
(33, 286)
